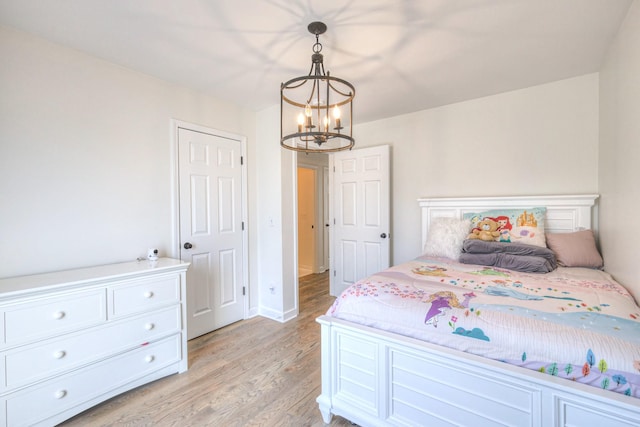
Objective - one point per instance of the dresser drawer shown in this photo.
(35, 362)
(47, 317)
(38, 403)
(143, 295)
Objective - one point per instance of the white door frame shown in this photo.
(175, 196)
(326, 219)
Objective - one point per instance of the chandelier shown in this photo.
(316, 110)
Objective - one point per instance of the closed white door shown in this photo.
(360, 211)
(211, 229)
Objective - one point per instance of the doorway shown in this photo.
(307, 221)
(313, 213)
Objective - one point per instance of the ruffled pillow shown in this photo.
(446, 236)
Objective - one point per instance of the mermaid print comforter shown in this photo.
(572, 323)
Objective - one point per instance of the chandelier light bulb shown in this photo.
(307, 112)
(336, 115)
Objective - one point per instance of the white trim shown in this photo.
(175, 196)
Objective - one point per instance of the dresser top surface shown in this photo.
(17, 286)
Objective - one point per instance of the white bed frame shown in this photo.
(376, 378)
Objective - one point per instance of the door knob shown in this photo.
(383, 235)
(188, 245)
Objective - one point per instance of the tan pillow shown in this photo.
(577, 249)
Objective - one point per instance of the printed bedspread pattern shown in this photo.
(571, 323)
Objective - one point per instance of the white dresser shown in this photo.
(75, 338)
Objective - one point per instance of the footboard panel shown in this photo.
(357, 381)
(374, 378)
(432, 390)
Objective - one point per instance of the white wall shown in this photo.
(276, 255)
(620, 154)
(289, 189)
(539, 140)
(85, 168)
(269, 228)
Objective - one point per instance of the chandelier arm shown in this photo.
(350, 94)
(296, 86)
(313, 89)
(345, 94)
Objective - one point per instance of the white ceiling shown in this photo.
(401, 55)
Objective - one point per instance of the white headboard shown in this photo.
(565, 213)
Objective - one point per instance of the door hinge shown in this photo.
(242, 225)
(241, 160)
(244, 291)
(334, 273)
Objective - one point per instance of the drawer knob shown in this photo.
(149, 326)
(149, 359)
(60, 394)
(59, 354)
(59, 315)
(148, 294)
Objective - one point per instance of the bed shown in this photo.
(484, 344)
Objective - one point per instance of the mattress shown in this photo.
(572, 323)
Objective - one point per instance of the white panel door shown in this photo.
(210, 175)
(360, 213)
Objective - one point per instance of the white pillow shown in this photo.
(446, 236)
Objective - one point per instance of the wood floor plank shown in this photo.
(256, 372)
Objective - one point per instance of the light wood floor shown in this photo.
(255, 372)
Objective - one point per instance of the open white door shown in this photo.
(360, 215)
(211, 228)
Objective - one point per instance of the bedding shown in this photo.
(572, 323)
(514, 256)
